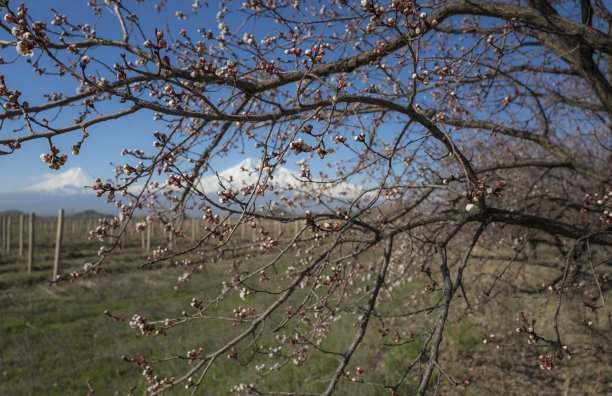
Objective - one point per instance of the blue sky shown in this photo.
(24, 167)
(102, 147)
(106, 141)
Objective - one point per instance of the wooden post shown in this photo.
(2, 220)
(58, 242)
(143, 245)
(8, 234)
(31, 221)
(126, 236)
(193, 229)
(296, 228)
(148, 247)
(171, 238)
(21, 235)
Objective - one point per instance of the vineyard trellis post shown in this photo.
(149, 231)
(2, 220)
(8, 234)
(58, 242)
(31, 223)
(21, 227)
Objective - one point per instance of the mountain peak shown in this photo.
(247, 172)
(70, 181)
(249, 163)
(244, 172)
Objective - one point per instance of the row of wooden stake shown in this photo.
(6, 233)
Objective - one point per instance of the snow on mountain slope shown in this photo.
(65, 189)
(68, 182)
(246, 172)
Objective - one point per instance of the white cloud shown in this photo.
(70, 182)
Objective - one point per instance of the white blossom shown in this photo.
(23, 49)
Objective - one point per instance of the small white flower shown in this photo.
(17, 32)
(469, 207)
(23, 49)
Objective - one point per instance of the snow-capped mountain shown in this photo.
(66, 189)
(69, 182)
(247, 172)
(51, 191)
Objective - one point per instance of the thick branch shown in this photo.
(438, 331)
(365, 318)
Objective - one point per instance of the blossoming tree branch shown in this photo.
(453, 157)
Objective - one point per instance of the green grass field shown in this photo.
(54, 338)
